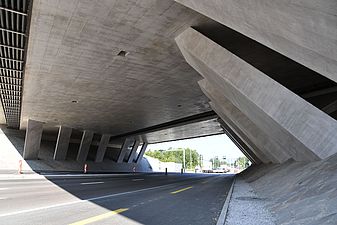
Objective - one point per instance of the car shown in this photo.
(219, 170)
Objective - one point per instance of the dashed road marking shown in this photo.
(180, 190)
(88, 183)
(83, 200)
(137, 179)
(99, 217)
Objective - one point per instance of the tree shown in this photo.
(242, 162)
(176, 155)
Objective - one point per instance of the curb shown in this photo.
(223, 214)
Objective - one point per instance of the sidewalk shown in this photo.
(246, 207)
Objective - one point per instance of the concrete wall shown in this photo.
(301, 131)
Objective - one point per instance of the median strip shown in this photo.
(180, 190)
(99, 217)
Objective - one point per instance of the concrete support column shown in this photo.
(124, 149)
(141, 153)
(62, 143)
(133, 151)
(84, 146)
(33, 139)
(259, 141)
(103, 144)
(290, 122)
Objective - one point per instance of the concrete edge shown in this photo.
(223, 214)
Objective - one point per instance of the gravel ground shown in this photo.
(246, 207)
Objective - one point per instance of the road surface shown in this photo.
(152, 199)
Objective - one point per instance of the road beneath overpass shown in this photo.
(114, 199)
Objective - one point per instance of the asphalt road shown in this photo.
(155, 199)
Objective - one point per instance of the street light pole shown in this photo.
(184, 165)
(190, 159)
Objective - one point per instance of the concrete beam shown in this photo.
(33, 139)
(142, 151)
(291, 121)
(103, 144)
(84, 146)
(133, 151)
(62, 143)
(303, 31)
(245, 149)
(127, 143)
(330, 108)
(321, 92)
(261, 142)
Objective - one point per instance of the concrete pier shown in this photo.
(103, 144)
(33, 139)
(126, 145)
(133, 151)
(62, 143)
(142, 151)
(84, 146)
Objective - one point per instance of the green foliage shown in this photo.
(216, 162)
(176, 155)
(242, 162)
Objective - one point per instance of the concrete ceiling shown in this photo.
(198, 129)
(75, 77)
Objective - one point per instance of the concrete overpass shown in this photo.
(98, 81)
(114, 72)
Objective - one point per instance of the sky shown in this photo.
(209, 147)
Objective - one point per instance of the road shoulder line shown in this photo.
(223, 214)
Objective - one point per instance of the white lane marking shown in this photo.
(83, 200)
(86, 175)
(3, 198)
(2, 189)
(99, 182)
(137, 179)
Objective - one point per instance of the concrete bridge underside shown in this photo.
(113, 76)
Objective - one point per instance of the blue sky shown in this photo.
(216, 145)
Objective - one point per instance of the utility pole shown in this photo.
(184, 165)
(190, 158)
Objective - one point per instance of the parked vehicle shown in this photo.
(219, 170)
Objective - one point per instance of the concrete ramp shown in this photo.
(297, 193)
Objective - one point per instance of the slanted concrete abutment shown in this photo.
(290, 121)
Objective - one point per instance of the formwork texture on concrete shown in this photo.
(76, 76)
